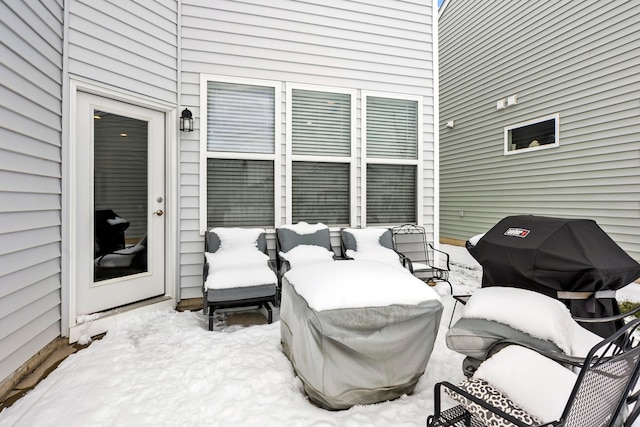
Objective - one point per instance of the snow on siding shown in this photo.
(578, 59)
(30, 137)
(378, 46)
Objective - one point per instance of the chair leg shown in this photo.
(450, 286)
(269, 312)
(211, 317)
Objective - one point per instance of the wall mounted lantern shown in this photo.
(186, 121)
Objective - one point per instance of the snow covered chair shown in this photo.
(355, 331)
(421, 263)
(496, 316)
(521, 387)
(373, 244)
(237, 271)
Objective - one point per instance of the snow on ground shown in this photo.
(166, 369)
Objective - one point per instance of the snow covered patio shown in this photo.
(165, 368)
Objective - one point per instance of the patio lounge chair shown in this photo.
(413, 240)
(356, 332)
(374, 244)
(237, 271)
(520, 387)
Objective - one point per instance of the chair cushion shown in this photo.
(474, 337)
(370, 244)
(238, 262)
(240, 276)
(531, 312)
(536, 383)
(484, 391)
(302, 233)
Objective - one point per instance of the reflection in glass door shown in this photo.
(120, 195)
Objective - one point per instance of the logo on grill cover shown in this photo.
(517, 232)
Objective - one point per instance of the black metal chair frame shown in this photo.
(434, 273)
(581, 410)
(209, 307)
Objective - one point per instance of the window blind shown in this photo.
(321, 123)
(392, 128)
(391, 194)
(320, 192)
(240, 193)
(240, 118)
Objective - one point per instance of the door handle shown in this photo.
(159, 212)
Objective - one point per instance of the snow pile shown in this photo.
(305, 228)
(356, 284)
(166, 369)
(537, 384)
(303, 255)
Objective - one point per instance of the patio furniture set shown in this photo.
(544, 341)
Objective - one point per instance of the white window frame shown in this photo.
(417, 162)
(290, 157)
(205, 154)
(555, 117)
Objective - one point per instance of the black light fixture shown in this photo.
(186, 121)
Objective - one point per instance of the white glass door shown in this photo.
(119, 203)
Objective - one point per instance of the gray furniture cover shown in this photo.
(350, 356)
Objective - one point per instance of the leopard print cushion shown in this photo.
(482, 390)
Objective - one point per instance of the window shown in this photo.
(533, 135)
(239, 145)
(321, 138)
(324, 175)
(392, 141)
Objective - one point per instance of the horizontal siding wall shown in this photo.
(30, 165)
(128, 45)
(367, 45)
(578, 59)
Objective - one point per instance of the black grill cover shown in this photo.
(547, 255)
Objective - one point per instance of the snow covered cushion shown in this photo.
(237, 277)
(485, 392)
(367, 243)
(537, 384)
(306, 254)
(244, 257)
(238, 262)
(533, 313)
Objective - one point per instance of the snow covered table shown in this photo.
(357, 332)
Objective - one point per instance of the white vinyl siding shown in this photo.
(377, 46)
(30, 165)
(126, 45)
(580, 60)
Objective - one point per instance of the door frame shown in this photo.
(70, 326)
